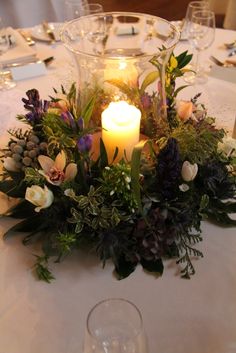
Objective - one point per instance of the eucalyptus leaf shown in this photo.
(149, 79)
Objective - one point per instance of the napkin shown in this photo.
(20, 52)
(224, 73)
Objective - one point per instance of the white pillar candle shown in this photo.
(120, 128)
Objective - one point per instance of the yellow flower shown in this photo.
(173, 63)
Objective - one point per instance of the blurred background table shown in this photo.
(25, 13)
(180, 316)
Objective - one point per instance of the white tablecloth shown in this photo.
(180, 316)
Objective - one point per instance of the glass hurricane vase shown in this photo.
(122, 57)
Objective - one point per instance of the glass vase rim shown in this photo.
(140, 328)
(120, 13)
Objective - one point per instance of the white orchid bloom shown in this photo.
(56, 171)
(189, 171)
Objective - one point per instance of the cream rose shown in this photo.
(10, 164)
(184, 109)
(42, 198)
(189, 171)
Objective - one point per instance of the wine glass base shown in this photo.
(195, 78)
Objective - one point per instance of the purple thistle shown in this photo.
(84, 143)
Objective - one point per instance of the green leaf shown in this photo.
(21, 210)
(12, 188)
(124, 268)
(149, 79)
(153, 266)
(135, 172)
(103, 155)
(43, 273)
(221, 218)
(88, 110)
(179, 89)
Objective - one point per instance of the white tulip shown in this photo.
(42, 198)
(189, 171)
(10, 164)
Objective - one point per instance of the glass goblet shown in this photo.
(92, 8)
(201, 36)
(115, 326)
(193, 6)
(5, 81)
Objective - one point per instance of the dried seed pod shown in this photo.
(18, 149)
(17, 157)
(27, 161)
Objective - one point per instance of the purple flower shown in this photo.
(84, 143)
(35, 105)
(69, 119)
(81, 123)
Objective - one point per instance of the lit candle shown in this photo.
(121, 126)
(121, 70)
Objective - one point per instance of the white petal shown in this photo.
(71, 171)
(60, 161)
(46, 163)
(10, 164)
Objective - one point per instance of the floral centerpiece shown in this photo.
(138, 211)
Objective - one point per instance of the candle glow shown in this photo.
(121, 128)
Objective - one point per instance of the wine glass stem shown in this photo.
(197, 61)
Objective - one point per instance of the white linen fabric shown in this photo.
(20, 51)
(180, 316)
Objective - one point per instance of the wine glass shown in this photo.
(115, 326)
(201, 34)
(193, 6)
(92, 8)
(5, 81)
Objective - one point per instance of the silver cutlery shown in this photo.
(226, 63)
(232, 52)
(27, 36)
(47, 29)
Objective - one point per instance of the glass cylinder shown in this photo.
(122, 57)
(115, 326)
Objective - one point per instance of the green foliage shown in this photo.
(197, 143)
(41, 269)
(33, 177)
(91, 211)
(116, 185)
(58, 133)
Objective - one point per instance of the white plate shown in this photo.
(38, 32)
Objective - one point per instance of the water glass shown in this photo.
(78, 8)
(201, 36)
(92, 8)
(115, 326)
(193, 6)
